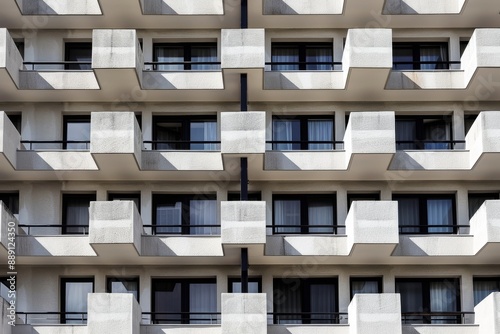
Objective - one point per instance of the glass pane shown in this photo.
(443, 298)
(11, 201)
(438, 130)
(476, 200)
(167, 299)
(171, 135)
(204, 131)
(284, 54)
(169, 214)
(433, 57)
(286, 131)
(79, 52)
(403, 54)
(253, 287)
(77, 131)
(440, 212)
(406, 134)
(203, 212)
(204, 54)
(321, 213)
(322, 301)
(77, 214)
(76, 301)
(408, 215)
(126, 286)
(365, 286)
(287, 212)
(287, 301)
(411, 300)
(319, 54)
(170, 54)
(482, 288)
(320, 130)
(203, 300)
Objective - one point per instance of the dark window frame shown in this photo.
(415, 47)
(302, 48)
(304, 212)
(63, 281)
(111, 279)
(185, 306)
(486, 195)
(71, 46)
(116, 196)
(187, 52)
(419, 120)
(252, 196)
(65, 198)
(422, 198)
(11, 200)
(253, 279)
(361, 196)
(304, 129)
(378, 279)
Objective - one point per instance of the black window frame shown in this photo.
(185, 121)
(187, 53)
(304, 131)
(251, 279)
(424, 227)
(74, 119)
(361, 196)
(475, 279)
(63, 281)
(126, 196)
(420, 141)
(111, 279)
(302, 48)
(185, 307)
(426, 298)
(304, 285)
(64, 223)
(415, 47)
(378, 279)
(304, 213)
(491, 195)
(11, 200)
(71, 46)
(185, 228)
(236, 195)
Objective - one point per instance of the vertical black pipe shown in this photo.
(244, 270)
(244, 179)
(244, 14)
(243, 92)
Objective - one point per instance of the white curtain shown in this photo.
(316, 55)
(322, 301)
(203, 54)
(406, 130)
(286, 130)
(204, 131)
(482, 288)
(203, 298)
(285, 54)
(286, 212)
(320, 213)
(168, 214)
(203, 212)
(320, 130)
(76, 300)
(443, 297)
(433, 54)
(170, 54)
(440, 212)
(409, 215)
(364, 287)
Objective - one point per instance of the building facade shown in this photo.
(262, 166)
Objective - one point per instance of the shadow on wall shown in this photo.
(397, 7)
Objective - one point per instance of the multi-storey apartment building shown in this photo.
(262, 166)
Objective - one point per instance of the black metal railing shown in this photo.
(427, 144)
(434, 317)
(440, 65)
(307, 317)
(177, 229)
(61, 144)
(155, 318)
(64, 229)
(34, 318)
(431, 229)
(305, 229)
(68, 65)
(189, 145)
(186, 65)
(303, 65)
(303, 145)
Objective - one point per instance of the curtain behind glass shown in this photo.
(76, 300)
(167, 300)
(406, 130)
(203, 54)
(320, 130)
(77, 131)
(443, 297)
(203, 212)
(204, 131)
(433, 54)
(408, 215)
(287, 212)
(285, 54)
(125, 287)
(203, 298)
(169, 214)
(440, 212)
(288, 299)
(322, 300)
(403, 54)
(170, 54)
(482, 288)
(411, 300)
(286, 130)
(364, 287)
(320, 213)
(439, 130)
(168, 131)
(319, 54)
(77, 213)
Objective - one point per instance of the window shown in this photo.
(76, 132)
(477, 199)
(302, 56)
(463, 46)
(74, 292)
(361, 197)
(80, 53)
(252, 196)
(483, 286)
(185, 56)
(305, 301)
(424, 133)
(187, 301)
(123, 285)
(425, 214)
(76, 213)
(136, 198)
(185, 133)
(11, 201)
(420, 56)
(303, 133)
(185, 214)
(423, 301)
(20, 46)
(16, 121)
(254, 285)
(366, 285)
(304, 214)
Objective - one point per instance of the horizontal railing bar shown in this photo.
(404, 226)
(303, 63)
(426, 62)
(429, 141)
(182, 62)
(187, 226)
(185, 313)
(181, 142)
(303, 141)
(278, 226)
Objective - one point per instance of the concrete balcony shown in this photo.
(415, 7)
(55, 7)
(244, 313)
(243, 224)
(182, 7)
(243, 133)
(485, 227)
(298, 7)
(8, 230)
(10, 141)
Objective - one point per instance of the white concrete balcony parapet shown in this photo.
(303, 7)
(182, 7)
(11, 61)
(113, 313)
(243, 132)
(244, 313)
(57, 7)
(485, 227)
(375, 313)
(115, 228)
(242, 48)
(487, 314)
(243, 223)
(10, 141)
(416, 7)
(116, 140)
(483, 139)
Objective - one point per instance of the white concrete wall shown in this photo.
(481, 51)
(10, 58)
(370, 48)
(488, 314)
(243, 132)
(242, 48)
(243, 222)
(483, 136)
(485, 224)
(375, 313)
(244, 313)
(370, 132)
(113, 313)
(114, 48)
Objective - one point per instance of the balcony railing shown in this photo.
(307, 317)
(434, 317)
(306, 65)
(35, 318)
(444, 65)
(66, 65)
(301, 145)
(431, 229)
(48, 145)
(428, 144)
(158, 229)
(186, 65)
(173, 318)
(305, 229)
(64, 229)
(187, 145)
